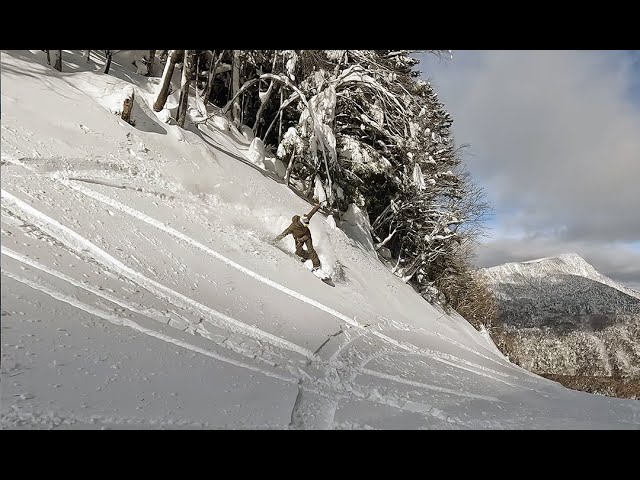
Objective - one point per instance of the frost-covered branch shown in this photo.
(360, 128)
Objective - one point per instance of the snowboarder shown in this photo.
(299, 228)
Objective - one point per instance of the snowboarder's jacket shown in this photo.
(302, 236)
(300, 233)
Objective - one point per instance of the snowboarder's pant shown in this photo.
(309, 254)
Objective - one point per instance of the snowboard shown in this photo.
(319, 273)
(322, 275)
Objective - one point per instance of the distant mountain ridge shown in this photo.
(565, 264)
(560, 317)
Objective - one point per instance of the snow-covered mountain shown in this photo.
(541, 291)
(565, 264)
(140, 287)
(560, 316)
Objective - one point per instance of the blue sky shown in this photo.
(555, 143)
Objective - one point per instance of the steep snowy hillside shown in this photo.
(140, 288)
(562, 317)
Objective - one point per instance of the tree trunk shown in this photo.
(234, 100)
(88, 55)
(265, 99)
(280, 128)
(284, 105)
(287, 175)
(312, 183)
(212, 76)
(127, 107)
(48, 57)
(187, 72)
(235, 87)
(109, 55)
(57, 62)
(166, 81)
(243, 107)
(152, 56)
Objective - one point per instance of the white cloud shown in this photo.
(555, 141)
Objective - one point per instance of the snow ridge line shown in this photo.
(121, 321)
(147, 312)
(78, 242)
(153, 314)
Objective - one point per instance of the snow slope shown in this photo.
(140, 290)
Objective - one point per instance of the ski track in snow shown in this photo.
(35, 215)
(79, 243)
(150, 313)
(305, 411)
(121, 321)
(233, 324)
(343, 386)
(153, 314)
(413, 383)
(192, 327)
(448, 359)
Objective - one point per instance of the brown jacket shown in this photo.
(298, 230)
